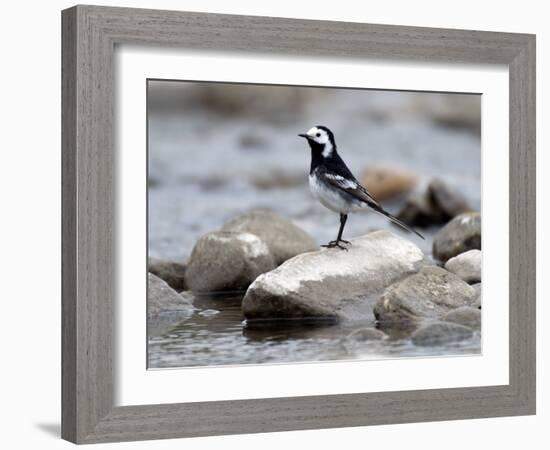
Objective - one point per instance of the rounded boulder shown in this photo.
(227, 261)
(170, 271)
(428, 294)
(440, 333)
(467, 266)
(461, 234)
(283, 239)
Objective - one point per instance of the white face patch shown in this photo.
(318, 135)
(321, 137)
(327, 150)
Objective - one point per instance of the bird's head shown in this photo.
(320, 137)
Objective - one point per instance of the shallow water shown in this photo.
(217, 335)
(201, 174)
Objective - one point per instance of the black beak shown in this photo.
(304, 135)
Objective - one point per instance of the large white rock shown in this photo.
(333, 283)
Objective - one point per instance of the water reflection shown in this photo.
(217, 335)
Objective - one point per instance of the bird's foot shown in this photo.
(336, 243)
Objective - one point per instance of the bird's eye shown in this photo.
(318, 135)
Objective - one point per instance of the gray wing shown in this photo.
(350, 186)
(354, 188)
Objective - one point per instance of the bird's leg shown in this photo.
(343, 218)
(336, 243)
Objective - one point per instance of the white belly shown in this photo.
(332, 199)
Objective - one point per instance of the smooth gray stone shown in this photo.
(333, 283)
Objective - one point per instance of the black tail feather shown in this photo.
(395, 220)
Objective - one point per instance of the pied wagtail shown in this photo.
(333, 184)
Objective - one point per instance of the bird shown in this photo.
(335, 187)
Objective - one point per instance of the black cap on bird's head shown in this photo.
(319, 135)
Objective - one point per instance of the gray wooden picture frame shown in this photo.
(90, 34)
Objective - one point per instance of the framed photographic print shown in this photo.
(265, 229)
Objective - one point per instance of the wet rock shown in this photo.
(428, 294)
(387, 182)
(447, 199)
(162, 299)
(465, 315)
(283, 239)
(209, 313)
(331, 283)
(227, 261)
(366, 334)
(362, 338)
(170, 271)
(477, 288)
(440, 333)
(165, 307)
(418, 210)
(467, 266)
(438, 204)
(398, 331)
(461, 234)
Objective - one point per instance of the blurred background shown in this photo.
(216, 150)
